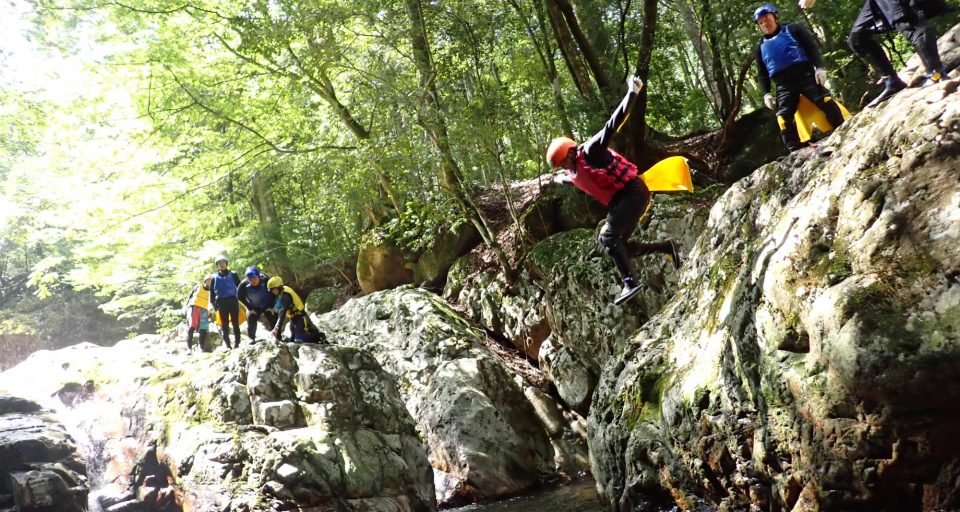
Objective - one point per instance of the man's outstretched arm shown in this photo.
(596, 146)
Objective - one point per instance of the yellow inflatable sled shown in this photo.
(808, 114)
(669, 175)
(242, 317)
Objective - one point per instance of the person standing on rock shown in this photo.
(613, 180)
(224, 287)
(879, 16)
(290, 306)
(788, 54)
(197, 309)
(254, 294)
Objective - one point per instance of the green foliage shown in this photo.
(280, 132)
(419, 225)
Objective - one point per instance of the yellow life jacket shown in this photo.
(201, 299)
(297, 308)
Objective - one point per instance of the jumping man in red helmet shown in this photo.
(611, 179)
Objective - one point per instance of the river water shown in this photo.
(579, 496)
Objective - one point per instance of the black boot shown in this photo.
(891, 86)
(203, 341)
(190, 339)
(674, 255)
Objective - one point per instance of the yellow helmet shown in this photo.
(275, 282)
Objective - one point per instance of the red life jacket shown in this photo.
(602, 183)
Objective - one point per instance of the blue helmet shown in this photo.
(764, 9)
(253, 272)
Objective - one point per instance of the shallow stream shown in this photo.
(580, 496)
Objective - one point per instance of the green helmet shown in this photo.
(220, 258)
(275, 282)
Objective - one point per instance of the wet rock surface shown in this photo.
(40, 469)
(485, 438)
(265, 427)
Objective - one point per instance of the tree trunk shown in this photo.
(545, 52)
(639, 151)
(607, 92)
(270, 228)
(568, 49)
(431, 118)
(715, 82)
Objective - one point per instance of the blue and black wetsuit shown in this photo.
(302, 329)
(788, 57)
(259, 302)
(224, 292)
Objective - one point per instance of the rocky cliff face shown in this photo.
(488, 433)
(560, 311)
(809, 360)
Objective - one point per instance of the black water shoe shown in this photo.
(891, 86)
(674, 255)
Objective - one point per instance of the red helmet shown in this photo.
(558, 150)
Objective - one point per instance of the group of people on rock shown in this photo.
(788, 56)
(263, 299)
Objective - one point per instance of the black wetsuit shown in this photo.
(627, 205)
(878, 16)
(302, 329)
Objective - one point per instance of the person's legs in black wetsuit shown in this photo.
(253, 317)
(229, 309)
(787, 98)
(626, 207)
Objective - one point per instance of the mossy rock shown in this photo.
(560, 209)
(321, 300)
(381, 265)
(432, 267)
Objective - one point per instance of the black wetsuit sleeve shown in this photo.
(242, 293)
(236, 278)
(286, 302)
(596, 148)
(763, 77)
(809, 45)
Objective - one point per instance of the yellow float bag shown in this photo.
(809, 114)
(241, 318)
(669, 175)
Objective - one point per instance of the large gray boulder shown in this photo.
(265, 427)
(40, 468)
(488, 434)
(810, 359)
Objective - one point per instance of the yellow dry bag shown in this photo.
(241, 318)
(669, 175)
(809, 114)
